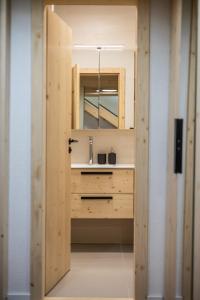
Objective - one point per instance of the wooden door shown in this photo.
(58, 130)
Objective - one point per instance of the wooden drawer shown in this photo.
(106, 181)
(115, 206)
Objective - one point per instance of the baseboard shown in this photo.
(18, 296)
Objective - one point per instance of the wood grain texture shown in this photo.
(38, 153)
(196, 261)
(102, 231)
(110, 117)
(58, 166)
(91, 2)
(82, 298)
(120, 207)
(121, 181)
(190, 156)
(4, 143)
(171, 207)
(103, 132)
(76, 97)
(91, 110)
(122, 101)
(142, 152)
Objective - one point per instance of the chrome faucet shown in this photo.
(90, 150)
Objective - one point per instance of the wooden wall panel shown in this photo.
(189, 171)
(38, 153)
(4, 143)
(90, 2)
(171, 207)
(142, 151)
(196, 260)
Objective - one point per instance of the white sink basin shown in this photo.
(97, 166)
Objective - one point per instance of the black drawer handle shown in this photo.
(96, 173)
(96, 198)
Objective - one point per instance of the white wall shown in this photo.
(160, 55)
(183, 114)
(123, 145)
(20, 150)
(19, 199)
(112, 59)
(159, 87)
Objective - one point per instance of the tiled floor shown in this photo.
(98, 271)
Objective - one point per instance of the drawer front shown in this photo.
(115, 206)
(106, 181)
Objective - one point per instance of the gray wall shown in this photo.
(159, 95)
(20, 149)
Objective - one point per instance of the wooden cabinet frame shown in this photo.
(77, 72)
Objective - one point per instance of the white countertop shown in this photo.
(97, 166)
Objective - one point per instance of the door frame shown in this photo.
(196, 235)
(4, 142)
(142, 146)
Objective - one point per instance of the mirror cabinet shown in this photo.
(98, 98)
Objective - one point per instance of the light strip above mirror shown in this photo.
(102, 47)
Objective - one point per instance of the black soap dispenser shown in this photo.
(112, 157)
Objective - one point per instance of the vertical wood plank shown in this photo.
(58, 160)
(4, 143)
(142, 152)
(121, 91)
(76, 97)
(38, 153)
(91, 2)
(196, 274)
(190, 155)
(171, 206)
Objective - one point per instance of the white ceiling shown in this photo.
(101, 25)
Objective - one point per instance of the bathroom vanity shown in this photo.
(102, 192)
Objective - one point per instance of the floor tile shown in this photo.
(98, 271)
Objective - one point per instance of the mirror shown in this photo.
(98, 98)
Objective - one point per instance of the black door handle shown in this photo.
(70, 150)
(96, 173)
(70, 141)
(96, 198)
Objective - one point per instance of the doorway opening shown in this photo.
(89, 240)
(39, 144)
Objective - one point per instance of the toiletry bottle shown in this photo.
(112, 157)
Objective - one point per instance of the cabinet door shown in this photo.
(58, 130)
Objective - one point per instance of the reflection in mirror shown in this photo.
(99, 101)
(99, 108)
